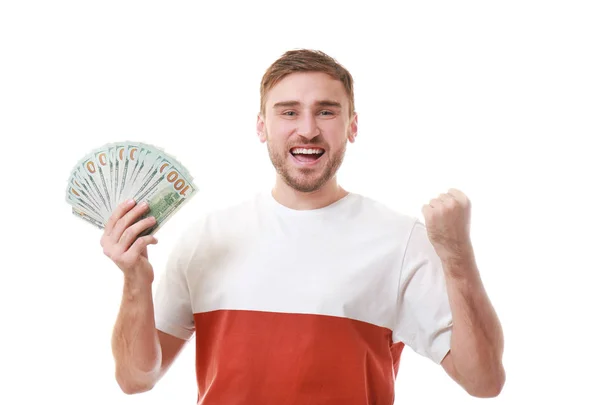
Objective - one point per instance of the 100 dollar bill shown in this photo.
(165, 196)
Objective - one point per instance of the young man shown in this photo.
(306, 294)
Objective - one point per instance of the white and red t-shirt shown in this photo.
(304, 306)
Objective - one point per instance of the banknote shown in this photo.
(110, 174)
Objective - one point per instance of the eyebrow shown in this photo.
(320, 103)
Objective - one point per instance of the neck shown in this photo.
(298, 200)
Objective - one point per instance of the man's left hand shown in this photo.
(447, 219)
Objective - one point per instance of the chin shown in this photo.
(306, 183)
(306, 188)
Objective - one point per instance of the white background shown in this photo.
(498, 99)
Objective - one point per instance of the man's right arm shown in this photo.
(142, 353)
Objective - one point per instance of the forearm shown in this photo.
(135, 343)
(477, 342)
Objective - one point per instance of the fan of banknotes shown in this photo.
(116, 172)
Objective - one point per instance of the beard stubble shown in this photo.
(309, 179)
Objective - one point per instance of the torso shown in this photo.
(298, 307)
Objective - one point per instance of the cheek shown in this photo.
(284, 126)
(279, 132)
(336, 134)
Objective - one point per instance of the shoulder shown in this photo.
(208, 231)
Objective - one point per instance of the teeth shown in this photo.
(297, 151)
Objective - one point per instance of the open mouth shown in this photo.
(307, 155)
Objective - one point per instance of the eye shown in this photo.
(328, 112)
(288, 113)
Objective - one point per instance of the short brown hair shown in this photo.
(305, 60)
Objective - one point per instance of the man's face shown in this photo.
(306, 127)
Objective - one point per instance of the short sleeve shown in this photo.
(173, 311)
(424, 319)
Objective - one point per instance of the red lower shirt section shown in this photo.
(267, 358)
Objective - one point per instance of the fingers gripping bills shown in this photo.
(117, 172)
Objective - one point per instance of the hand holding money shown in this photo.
(121, 243)
(130, 190)
(117, 172)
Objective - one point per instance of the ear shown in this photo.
(260, 128)
(353, 130)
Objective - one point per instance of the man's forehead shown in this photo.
(306, 85)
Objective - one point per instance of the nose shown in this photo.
(307, 126)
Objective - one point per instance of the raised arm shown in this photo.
(477, 342)
(142, 354)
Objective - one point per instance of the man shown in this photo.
(306, 294)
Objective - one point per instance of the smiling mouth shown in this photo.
(307, 155)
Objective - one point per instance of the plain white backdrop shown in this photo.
(498, 99)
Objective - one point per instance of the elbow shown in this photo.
(487, 391)
(491, 387)
(131, 389)
(130, 386)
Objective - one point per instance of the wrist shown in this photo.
(137, 281)
(461, 265)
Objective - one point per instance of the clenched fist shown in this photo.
(447, 219)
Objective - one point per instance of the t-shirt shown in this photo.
(304, 306)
